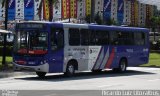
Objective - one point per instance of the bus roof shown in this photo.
(91, 26)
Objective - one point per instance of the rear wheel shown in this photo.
(70, 71)
(41, 74)
(122, 66)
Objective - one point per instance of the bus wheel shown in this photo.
(122, 65)
(41, 74)
(70, 71)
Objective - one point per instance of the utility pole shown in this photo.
(5, 35)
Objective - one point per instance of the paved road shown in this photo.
(136, 78)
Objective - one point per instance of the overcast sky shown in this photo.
(154, 2)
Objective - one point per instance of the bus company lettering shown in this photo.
(93, 50)
(129, 50)
(79, 49)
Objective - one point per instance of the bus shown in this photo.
(49, 47)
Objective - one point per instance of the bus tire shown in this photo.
(70, 70)
(122, 65)
(41, 74)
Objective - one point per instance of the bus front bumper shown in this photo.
(40, 68)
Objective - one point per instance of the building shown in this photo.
(107, 10)
(2, 11)
(149, 13)
(98, 7)
(37, 5)
(120, 12)
(127, 12)
(81, 9)
(114, 7)
(141, 14)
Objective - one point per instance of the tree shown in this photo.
(88, 19)
(98, 19)
(153, 23)
(110, 22)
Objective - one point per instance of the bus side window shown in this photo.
(57, 39)
(84, 37)
(140, 38)
(74, 37)
(102, 37)
(114, 38)
(92, 37)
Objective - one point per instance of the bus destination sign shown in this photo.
(30, 25)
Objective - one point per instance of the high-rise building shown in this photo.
(57, 9)
(81, 9)
(37, 5)
(107, 10)
(114, 6)
(134, 12)
(120, 12)
(98, 7)
(149, 13)
(19, 10)
(127, 12)
(2, 11)
(141, 14)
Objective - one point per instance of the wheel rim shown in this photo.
(123, 66)
(71, 69)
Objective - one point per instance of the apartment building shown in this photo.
(141, 14)
(127, 12)
(114, 7)
(81, 6)
(2, 12)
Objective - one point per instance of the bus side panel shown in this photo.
(105, 57)
(56, 60)
(140, 55)
(113, 57)
(77, 53)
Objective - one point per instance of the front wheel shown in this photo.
(41, 74)
(70, 71)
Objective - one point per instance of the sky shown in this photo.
(154, 2)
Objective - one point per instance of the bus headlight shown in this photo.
(43, 62)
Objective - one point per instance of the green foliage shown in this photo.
(88, 19)
(110, 22)
(154, 60)
(154, 22)
(98, 19)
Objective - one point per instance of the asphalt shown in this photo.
(11, 73)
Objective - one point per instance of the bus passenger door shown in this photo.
(57, 50)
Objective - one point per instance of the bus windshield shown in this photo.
(31, 42)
